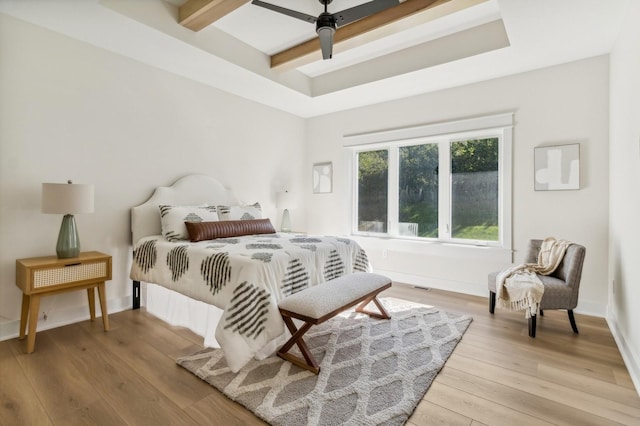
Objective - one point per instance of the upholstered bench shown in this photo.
(322, 302)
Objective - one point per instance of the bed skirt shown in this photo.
(179, 310)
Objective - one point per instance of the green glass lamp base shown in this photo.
(286, 222)
(68, 240)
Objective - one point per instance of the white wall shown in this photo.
(558, 105)
(69, 110)
(623, 314)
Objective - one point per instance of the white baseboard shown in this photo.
(428, 282)
(9, 330)
(628, 356)
(585, 307)
(588, 307)
(59, 318)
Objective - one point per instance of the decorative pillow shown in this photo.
(172, 219)
(201, 231)
(250, 212)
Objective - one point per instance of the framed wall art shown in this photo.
(322, 178)
(557, 167)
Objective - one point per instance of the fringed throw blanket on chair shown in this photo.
(519, 288)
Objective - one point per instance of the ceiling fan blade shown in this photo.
(285, 11)
(352, 14)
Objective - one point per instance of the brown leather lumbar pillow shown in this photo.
(202, 231)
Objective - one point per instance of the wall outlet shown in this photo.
(44, 316)
(385, 253)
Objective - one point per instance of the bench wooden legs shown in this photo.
(296, 338)
(309, 362)
(383, 312)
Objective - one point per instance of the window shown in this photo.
(474, 189)
(418, 190)
(373, 172)
(452, 187)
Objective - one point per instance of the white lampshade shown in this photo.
(285, 200)
(67, 198)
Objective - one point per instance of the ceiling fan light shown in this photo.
(326, 41)
(326, 28)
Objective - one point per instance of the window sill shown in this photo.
(435, 248)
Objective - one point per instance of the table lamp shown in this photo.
(68, 199)
(285, 200)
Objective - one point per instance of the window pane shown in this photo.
(418, 191)
(474, 192)
(373, 171)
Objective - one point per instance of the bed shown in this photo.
(229, 285)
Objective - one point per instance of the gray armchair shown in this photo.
(560, 288)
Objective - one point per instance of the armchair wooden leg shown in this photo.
(532, 326)
(572, 320)
(541, 313)
(492, 302)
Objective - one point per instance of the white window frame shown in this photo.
(500, 126)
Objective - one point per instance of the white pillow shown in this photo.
(172, 219)
(250, 212)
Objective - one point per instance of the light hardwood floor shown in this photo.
(497, 375)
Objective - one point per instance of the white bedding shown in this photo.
(246, 277)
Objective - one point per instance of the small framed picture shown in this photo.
(322, 178)
(557, 167)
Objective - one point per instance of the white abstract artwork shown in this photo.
(557, 168)
(322, 178)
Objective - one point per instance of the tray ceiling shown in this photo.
(450, 43)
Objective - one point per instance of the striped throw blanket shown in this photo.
(519, 287)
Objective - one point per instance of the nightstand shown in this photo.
(45, 276)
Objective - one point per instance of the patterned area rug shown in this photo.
(373, 372)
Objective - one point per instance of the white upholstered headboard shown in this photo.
(187, 191)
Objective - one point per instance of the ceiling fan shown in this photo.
(326, 23)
